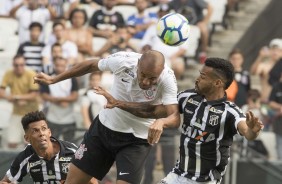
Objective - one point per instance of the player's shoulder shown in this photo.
(67, 146)
(187, 92)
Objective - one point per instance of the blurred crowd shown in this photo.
(97, 28)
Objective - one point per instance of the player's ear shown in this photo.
(26, 138)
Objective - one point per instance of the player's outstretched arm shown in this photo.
(140, 109)
(77, 70)
(251, 127)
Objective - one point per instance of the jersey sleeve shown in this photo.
(5, 81)
(236, 116)
(169, 95)
(19, 166)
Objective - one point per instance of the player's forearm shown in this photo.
(172, 121)
(29, 96)
(250, 135)
(77, 70)
(143, 110)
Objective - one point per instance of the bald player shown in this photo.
(124, 134)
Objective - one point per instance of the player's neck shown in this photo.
(214, 96)
(50, 152)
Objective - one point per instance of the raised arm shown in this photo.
(77, 70)
(250, 128)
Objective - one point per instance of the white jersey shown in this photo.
(126, 88)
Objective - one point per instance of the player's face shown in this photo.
(205, 82)
(148, 75)
(38, 135)
(109, 4)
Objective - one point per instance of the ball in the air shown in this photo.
(173, 29)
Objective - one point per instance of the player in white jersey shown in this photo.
(117, 135)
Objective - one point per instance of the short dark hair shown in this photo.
(57, 44)
(78, 10)
(55, 24)
(223, 68)
(35, 24)
(17, 56)
(32, 117)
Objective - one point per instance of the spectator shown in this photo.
(196, 7)
(31, 50)
(275, 72)
(80, 35)
(242, 77)
(142, 20)
(70, 50)
(264, 63)
(91, 103)
(60, 107)
(172, 54)
(104, 22)
(118, 42)
(23, 96)
(5, 8)
(29, 11)
(58, 6)
(275, 102)
(56, 52)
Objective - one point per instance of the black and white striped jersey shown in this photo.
(40, 170)
(207, 134)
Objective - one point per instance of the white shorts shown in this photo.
(173, 178)
(14, 132)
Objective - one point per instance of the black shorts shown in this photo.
(102, 146)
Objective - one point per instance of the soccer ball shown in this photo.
(173, 29)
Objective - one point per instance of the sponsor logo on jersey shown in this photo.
(188, 111)
(129, 72)
(32, 164)
(191, 101)
(217, 111)
(65, 159)
(35, 170)
(79, 153)
(198, 135)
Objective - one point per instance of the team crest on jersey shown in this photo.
(213, 120)
(149, 94)
(79, 153)
(65, 167)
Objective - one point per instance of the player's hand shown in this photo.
(254, 124)
(111, 101)
(155, 131)
(42, 78)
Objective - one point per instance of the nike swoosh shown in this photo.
(124, 81)
(122, 173)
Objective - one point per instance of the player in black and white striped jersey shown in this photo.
(209, 124)
(45, 159)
